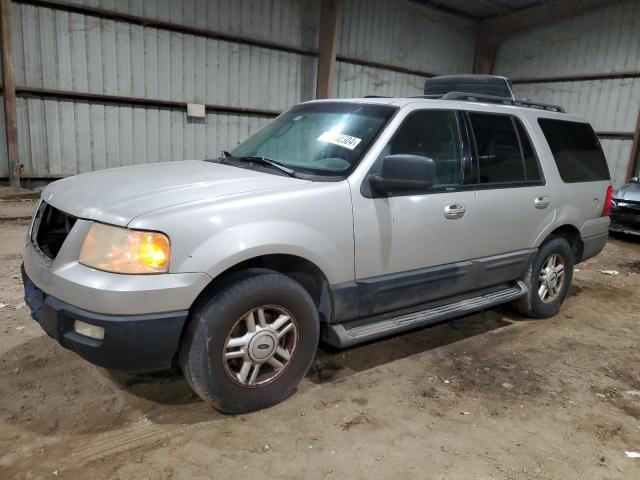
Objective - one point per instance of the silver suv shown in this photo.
(345, 220)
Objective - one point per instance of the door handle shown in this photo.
(453, 211)
(542, 202)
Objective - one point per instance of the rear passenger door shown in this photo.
(513, 202)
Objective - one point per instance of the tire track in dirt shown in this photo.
(140, 434)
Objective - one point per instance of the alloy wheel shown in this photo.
(260, 346)
(551, 278)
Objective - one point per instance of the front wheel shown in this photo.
(548, 279)
(249, 345)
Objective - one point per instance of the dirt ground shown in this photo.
(491, 395)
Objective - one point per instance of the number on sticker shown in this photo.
(340, 139)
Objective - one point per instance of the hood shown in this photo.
(630, 191)
(118, 195)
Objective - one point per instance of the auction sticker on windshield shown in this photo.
(340, 139)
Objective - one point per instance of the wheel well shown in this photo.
(572, 235)
(299, 269)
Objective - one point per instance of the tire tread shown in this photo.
(192, 354)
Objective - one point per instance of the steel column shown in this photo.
(9, 94)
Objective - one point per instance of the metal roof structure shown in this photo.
(481, 9)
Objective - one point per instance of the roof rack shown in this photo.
(478, 97)
(517, 102)
(479, 88)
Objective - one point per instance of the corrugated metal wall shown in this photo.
(602, 41)
(58, 137)
(68, 51)
(75, 52)
(358, 80)
(290, 22)
(402, 34)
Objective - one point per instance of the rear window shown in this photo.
(576, 150)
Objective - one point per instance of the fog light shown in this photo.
(91, 331)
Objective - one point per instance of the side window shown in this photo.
(499, 157)
(576, 150)
(433, 134)
(531, 167)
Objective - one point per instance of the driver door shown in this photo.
(411, 249)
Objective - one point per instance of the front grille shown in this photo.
(622, 218)
(50, 229)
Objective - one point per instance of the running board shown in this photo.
(343, 335)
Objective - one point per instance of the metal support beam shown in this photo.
(495, 30)
(615, 135)
(105, 99)
(385, 66)
(330, 18)
(9, 94)
(635, 152)
(585, 77)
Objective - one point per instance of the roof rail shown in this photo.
(517, 102)
(432, 96)
(480, 97)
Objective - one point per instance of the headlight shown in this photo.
(120, 250)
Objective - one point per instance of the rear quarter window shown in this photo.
(576, 150)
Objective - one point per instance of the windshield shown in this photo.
(327, 138)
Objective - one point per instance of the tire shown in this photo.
(218, 343)
(533, 305)
(479, 84)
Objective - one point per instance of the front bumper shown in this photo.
(624, 221)
(104, 292)
(131, 343)
(142, 315)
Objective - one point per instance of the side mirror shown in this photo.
(635, 180)
(403, 173)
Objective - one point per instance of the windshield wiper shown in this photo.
(264, 161)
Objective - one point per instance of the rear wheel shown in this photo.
(250, 344)
(548, 279)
